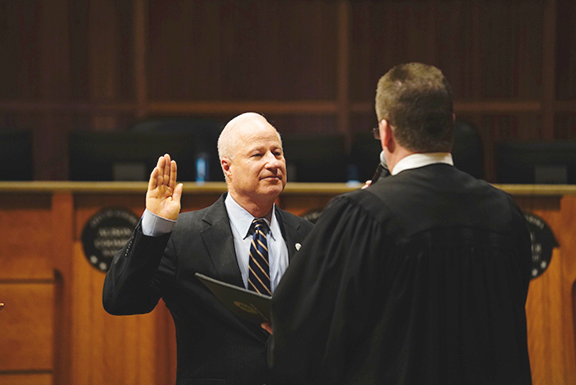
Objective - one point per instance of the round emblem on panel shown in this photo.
(543, 242)
(105, 234)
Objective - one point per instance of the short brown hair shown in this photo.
(416, 100)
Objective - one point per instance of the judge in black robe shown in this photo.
(420, 279)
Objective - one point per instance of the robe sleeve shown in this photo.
(320, 306)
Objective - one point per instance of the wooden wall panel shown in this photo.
(20, 64)
(304, 124)
(459, 42)
(102, 53)
(108, 349)
(508, 65)
(61, 232)
(363, 122)
(51, 145)
(110, 50)
(383, 34)
(565, 127)
(550, 305)
(125, 346)
(26, 379)
(87, 64)
(486, 49)
(254, 50)
(566, 50)
(25, 241)
(27, 324)
(54, 52)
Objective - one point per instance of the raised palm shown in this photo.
(163, 195)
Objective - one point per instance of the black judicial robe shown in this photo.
(421, 278)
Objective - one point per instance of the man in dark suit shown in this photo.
(167, 248)
(419, 279)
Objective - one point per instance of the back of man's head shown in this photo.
(416, 100)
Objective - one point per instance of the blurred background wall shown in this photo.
(310, 66)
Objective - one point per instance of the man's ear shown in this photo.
(386, 136)
(226, 163)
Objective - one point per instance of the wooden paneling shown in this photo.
(98, 65)
(25, 241)
(550, 305)
(19, 41)
(61, 230)
(254, 50)
(511, 49)
(384, 34)
(27, 324)
(566, 126)
(53, 48)
(26, 379)
(101, 43)
(486, 49)
(566, 50)
(124, 346)
(305, 124)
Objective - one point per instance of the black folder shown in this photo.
(246, 304)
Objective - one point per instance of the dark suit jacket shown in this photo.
(214, 346)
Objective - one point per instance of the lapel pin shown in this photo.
(298, 246)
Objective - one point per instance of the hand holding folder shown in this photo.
(246, 304)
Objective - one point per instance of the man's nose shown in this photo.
(272, 161)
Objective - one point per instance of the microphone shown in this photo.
(382, 169)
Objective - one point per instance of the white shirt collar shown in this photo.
(242, 219)
(421, 160)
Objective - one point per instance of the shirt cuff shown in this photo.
(154, 225)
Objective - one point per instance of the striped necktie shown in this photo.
(259, 269)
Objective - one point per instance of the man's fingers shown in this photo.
(153, 182)
(163, 174)
(166, 171)
(160, 167)
(173, 174)
(266, 326)
(177, 192)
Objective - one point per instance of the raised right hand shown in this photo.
(163, 195)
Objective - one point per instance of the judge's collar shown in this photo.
(421, 160)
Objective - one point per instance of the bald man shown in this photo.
(168, 247)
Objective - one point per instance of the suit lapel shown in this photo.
(217, 237)
(289, 229)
